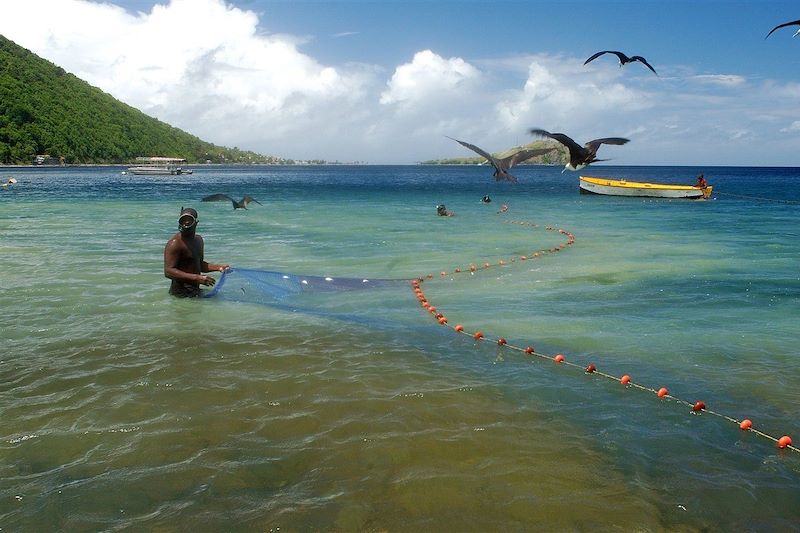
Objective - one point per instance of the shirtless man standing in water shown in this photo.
(183, 258)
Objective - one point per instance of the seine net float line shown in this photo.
(261, 287)
(758, 198)
(784, 442)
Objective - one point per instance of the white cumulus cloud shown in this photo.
(558, 96)
(792, 128)
(427, 76)
(725, 80)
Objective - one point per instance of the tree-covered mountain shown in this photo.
(559, 156)
(45, 110)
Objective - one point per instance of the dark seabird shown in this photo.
(236, 205)
(579, 156)
(623, 59)
(779, 26)
(502, 166)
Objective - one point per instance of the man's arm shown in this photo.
(214, 267)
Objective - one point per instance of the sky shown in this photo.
(388, 81)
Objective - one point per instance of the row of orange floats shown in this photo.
(502, 262)
(699, 406)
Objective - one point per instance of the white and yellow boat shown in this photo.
(593, 185)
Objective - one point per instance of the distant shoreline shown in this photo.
(126, 165)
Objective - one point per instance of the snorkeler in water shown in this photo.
(442, 211)
(183, 258)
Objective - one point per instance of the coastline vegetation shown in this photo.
(49, 116)
(45, 110)
(556, 157)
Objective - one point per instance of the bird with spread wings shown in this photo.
(225, 198)
(503, 165)
(623, 59)
(579, 156)
(785, 24)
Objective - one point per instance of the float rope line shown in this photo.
(784, 442)
(760, 198)
(533, 255)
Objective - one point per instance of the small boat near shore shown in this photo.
(595, 185)
(159, 166)
(154, 170)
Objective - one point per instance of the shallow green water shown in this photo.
(125, 408)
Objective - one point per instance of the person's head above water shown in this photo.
(187, 221)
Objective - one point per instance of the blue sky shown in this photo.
(385, 82)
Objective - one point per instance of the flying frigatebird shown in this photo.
(623, 59)
(779, 26)
(236, 205)
(579, 156)
(502, 166)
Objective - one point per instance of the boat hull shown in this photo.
(157, 171)
(592, 185)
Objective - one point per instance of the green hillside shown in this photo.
(45, 110)
(559, 156)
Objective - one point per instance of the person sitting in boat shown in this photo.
(701, 182)
(442, 211)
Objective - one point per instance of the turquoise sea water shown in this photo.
(124, 408)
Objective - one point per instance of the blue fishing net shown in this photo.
(268, 288)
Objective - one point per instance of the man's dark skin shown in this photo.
(183, 258)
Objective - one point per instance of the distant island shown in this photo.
(557, 157)
(49, 116)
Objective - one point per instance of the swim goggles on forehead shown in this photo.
(186, 220)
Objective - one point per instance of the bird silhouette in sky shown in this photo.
(579, 156)
(623, 59)
(236, 205)
(779, 26)
(502, 166)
